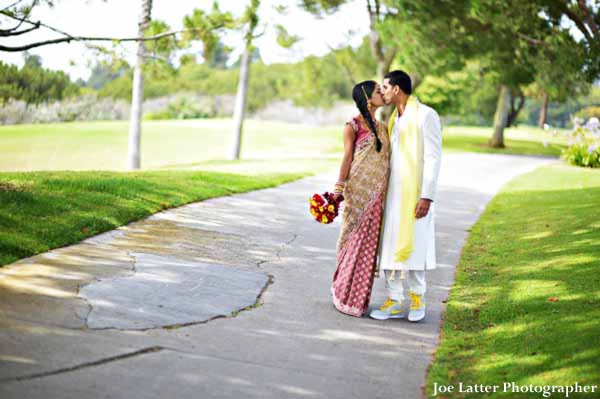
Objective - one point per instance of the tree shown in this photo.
(199, 26)
(103, 73)
(382, 51)
(220, 56)
(135, 125)
(32, 61)
(34, 84)
(250, 20)
(558, 74)
(509, 38)
(22, 14)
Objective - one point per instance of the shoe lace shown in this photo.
(388, 302)
(415, 301)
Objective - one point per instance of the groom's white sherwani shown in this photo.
(423, 255)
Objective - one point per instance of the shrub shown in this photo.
(592, 111)
(84, 108)
(185, 108)
(584, 145)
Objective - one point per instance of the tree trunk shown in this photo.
(514, 111)
(240, 103)
(374, 42)
(501, 117)
(383, 59)
(544, 110)
(137, 96)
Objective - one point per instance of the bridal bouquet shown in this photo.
(324, 208)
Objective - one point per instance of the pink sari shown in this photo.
(361, 222)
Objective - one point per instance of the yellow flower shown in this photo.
(312, 211)
(324, 219)
(330, 208)
(313, 202)
(321, 208)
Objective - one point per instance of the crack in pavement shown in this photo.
(87, 302)
(279, 250)
(271, 281)
(258, 301)
(99, 362)
(277, 257)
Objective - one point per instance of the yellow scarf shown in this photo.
(410, 146)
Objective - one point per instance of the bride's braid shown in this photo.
(361, 99)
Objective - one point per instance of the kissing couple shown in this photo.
(388, 178)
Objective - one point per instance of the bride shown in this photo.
(363, 182)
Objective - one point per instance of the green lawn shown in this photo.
(192, 143)
(524, 140)
(48, 209)
(526, 303)
(44, 210)
(183, 162)
(103, 145)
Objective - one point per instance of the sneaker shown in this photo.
(389, 310)
(417, 307)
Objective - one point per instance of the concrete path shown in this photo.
(227, 298)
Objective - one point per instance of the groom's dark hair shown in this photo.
(401, 79)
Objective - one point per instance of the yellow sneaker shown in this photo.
(389, 310)
(417, 307)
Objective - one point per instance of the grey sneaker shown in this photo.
(389, 310)
(417, 307)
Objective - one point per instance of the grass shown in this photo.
(45, 210)
(196, 143)
(526, 303)
(524, 140)
(42, 210)
(103, 145)
(182, 160)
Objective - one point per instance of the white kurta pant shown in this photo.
(423, 255)
(416, 283)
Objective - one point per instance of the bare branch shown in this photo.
(152, 56)
(12, 5)
(259, 34)
(588, 17)
(530, 40)
(24, 19)
(96, 39)
(34, 45)
(10, 32)
(20, 19)
(578, 22)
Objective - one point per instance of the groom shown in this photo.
(407, 244)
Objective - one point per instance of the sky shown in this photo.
(118, 18)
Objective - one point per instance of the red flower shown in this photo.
(323, 208)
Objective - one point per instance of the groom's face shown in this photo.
(388, 92)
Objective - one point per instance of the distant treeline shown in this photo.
(34, 84)
(468, 96)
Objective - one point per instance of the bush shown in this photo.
(593, 111)
(185, 108)
(584, 145)
(84, 108)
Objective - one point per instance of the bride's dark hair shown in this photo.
(361, 94)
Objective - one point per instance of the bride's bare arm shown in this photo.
(349, 136)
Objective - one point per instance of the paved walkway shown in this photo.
(227, 298)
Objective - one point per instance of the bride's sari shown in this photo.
(364, 197)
